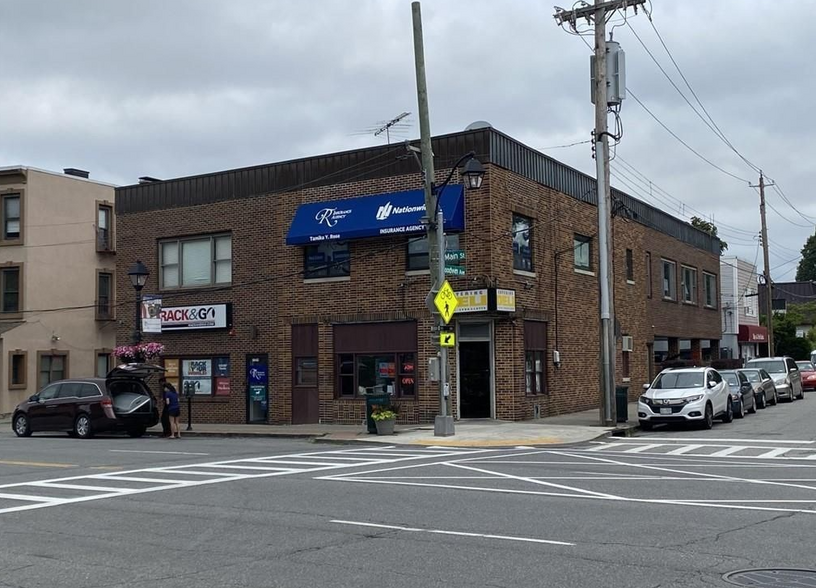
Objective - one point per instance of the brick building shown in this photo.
(292, 289)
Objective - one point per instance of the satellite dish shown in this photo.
(479, 124)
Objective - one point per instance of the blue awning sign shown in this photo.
(373, 216)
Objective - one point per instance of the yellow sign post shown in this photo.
(446, 302)
(447, 339)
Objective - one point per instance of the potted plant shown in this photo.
(385, 418)
(141, 353)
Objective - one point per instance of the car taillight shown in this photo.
(107, 402)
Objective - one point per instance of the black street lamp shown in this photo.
(473, 173)
(138, 273)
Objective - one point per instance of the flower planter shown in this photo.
(386, 427)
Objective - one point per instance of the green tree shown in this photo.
(807, 265)
(785, 340)
(709, 228)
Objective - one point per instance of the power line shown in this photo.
(716, 129)
(686, 145)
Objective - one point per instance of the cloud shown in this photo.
(191, 86)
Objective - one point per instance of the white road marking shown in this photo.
(160, 452)
(640, 448)
(179, 475)
(774, 453)
(455, 533)
(728, 451)
(683, 449)
(714, 440)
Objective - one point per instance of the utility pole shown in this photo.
(443, 424)
(767, 270)
(597, 14)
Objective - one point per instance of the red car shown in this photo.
(808, 372)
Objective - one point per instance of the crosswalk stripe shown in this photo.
(683, 449)
(27, 497)
(728, 451)
(640, 448)
(775, 452)
(76, 487)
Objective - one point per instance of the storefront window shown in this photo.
(200, 376)
(386, 373)
(329, 259)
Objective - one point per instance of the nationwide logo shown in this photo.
(387, 209)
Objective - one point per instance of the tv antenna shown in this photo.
(395, 124)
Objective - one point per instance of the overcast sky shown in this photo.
(178, 87)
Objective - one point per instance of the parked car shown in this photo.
(785, 374)
(686, 395)
(742, 392)
(763, 386)
(808, 371)
(83, 406)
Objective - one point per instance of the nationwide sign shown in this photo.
(395, 213)
(188, 318)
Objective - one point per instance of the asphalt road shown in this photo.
(670, 508)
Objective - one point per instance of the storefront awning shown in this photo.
(397, 213)
(753, 334)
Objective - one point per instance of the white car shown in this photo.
(686, 395)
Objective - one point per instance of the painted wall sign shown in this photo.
(187, 318)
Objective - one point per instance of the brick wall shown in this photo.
(269, 295)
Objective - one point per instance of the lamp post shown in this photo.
(473, 174)
(138, 274)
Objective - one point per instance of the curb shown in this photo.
(243, 435)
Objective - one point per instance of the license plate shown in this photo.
(666, 410)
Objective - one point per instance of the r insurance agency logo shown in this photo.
(330, 216)
(387, 209)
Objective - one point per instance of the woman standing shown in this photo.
(171, 405)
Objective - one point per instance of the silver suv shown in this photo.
(785, 374)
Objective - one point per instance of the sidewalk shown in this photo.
(564, 429)
(577, 427)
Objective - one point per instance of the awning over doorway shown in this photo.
(753, 334)
(395, 213)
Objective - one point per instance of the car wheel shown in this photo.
(21, 426)
(82, 427)
(775, 399)
(791, 397)
(728, 415)
(763, 403)
(136, 432)
(740, 412)
(708, 417)
(646, 425)
(753, 408)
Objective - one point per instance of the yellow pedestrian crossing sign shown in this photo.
(447, 339)
(446, 302)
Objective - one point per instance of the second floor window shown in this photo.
(11, 217)
(710, 290)
(10, 287)
(522, 243)
(669, 280)
(689, 285)
(582, 252)
(196, 262)
(104, 296)
(630, 265)
(329, 259)
(417, 254)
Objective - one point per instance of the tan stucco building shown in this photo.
(57, 262)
